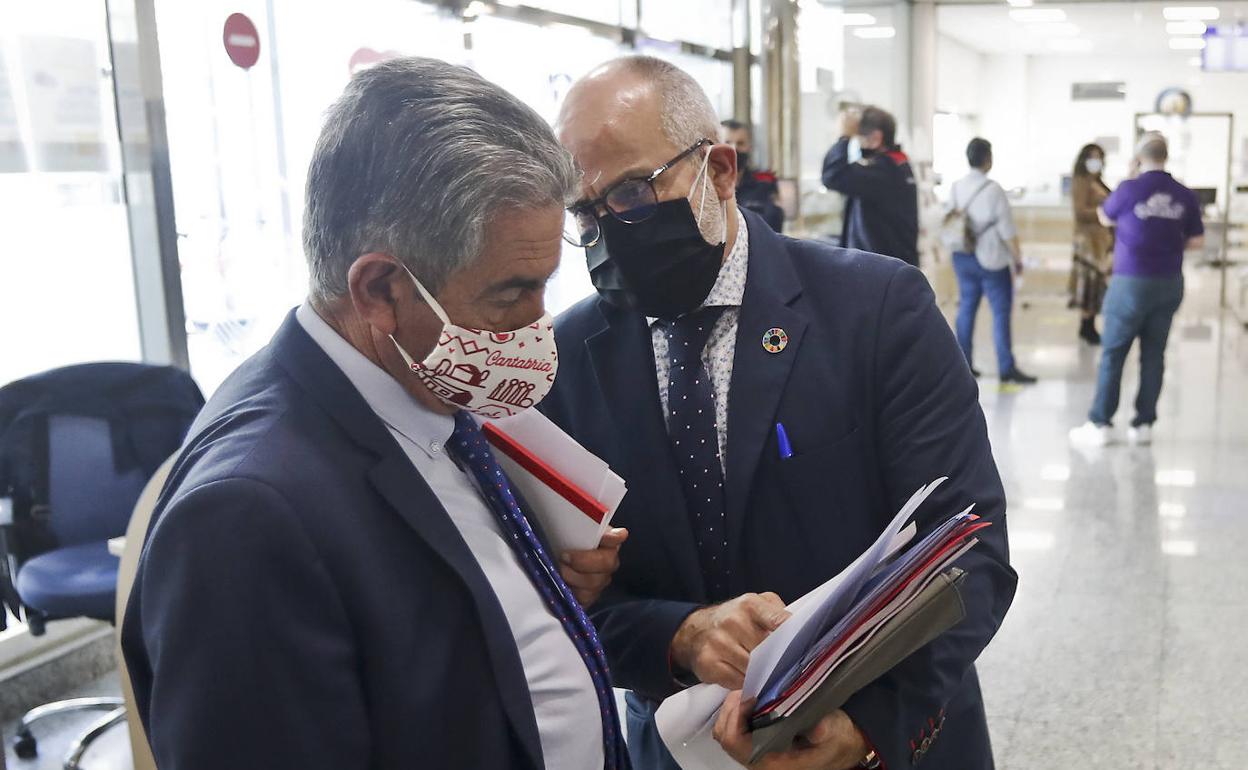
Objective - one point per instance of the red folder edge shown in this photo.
(953, 543)
(544, 473)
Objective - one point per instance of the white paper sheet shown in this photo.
(566, 526)
(686, 719)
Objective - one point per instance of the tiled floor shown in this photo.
(1126, 646)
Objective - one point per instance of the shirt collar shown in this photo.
(383, 394)
(729, 288)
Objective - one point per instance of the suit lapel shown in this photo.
(622, 357)
(759, 376)
(407, 492)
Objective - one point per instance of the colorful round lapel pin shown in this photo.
(775, 340)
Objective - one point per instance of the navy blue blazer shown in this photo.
(877, 400)
(304, 601)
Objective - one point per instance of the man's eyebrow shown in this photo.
(637, 171)
(515, 282)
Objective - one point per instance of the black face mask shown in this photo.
(743, 161)
(661, 267)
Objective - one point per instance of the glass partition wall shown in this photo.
(241, 138)
(243, 107)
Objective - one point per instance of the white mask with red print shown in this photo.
(491, 374)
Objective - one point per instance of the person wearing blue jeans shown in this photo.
(975, 283)
(1134, 308)
(982, 265)
(1157, 218)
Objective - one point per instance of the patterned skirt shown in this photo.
(1089, 271)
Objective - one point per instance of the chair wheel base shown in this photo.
(25, 746)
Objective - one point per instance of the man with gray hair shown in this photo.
(338, 573)
(771, 403)
(1156, 219)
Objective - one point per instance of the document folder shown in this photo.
(897, 596)
(572, 492)
(936, 609)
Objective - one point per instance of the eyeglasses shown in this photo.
(628, 200)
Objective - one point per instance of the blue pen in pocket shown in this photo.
(782, 440)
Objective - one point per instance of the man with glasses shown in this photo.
(771, 403)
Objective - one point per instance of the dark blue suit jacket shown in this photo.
(304, 601)
(877, 401)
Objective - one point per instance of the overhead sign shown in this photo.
(242, 41)
(1115, 90)
(1226, 49)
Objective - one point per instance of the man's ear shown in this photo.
(722, 167)
(374, 282)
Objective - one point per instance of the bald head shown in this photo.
(631, 116)
(1152, 149)
(663, 95)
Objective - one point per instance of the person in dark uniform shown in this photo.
(756, 188)
(881, 201)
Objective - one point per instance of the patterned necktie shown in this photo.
(695, 442)
(473, 452)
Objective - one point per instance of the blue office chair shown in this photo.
(76, 451)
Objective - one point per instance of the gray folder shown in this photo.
(935, 610)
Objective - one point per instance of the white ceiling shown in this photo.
(1112, 29)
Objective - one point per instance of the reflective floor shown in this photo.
(1127, 646)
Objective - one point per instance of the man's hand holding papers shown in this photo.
(896, 597)
(714, 643)
(834, 743)
(588, 573)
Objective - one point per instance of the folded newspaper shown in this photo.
(895, 598)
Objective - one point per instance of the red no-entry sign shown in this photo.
(242, 41)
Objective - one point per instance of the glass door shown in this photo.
(66, 277)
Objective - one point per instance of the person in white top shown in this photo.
(986, 270)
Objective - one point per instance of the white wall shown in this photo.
(958, 72)
(1025, 109)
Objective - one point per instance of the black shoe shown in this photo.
(1017, 377)
(1087, 332)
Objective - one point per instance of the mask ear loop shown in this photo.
(433, 303)
(411, 362)
(438, 311)
(706, 159)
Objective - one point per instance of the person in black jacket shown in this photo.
(328, 582)
(881, 202)
(706, 332)
(756, 188)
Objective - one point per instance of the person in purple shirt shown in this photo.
(1157, 219)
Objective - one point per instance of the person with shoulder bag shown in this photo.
(984, 243)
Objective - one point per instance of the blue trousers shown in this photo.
(974, 282)
(1143, 308)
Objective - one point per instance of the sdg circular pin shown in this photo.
(775, 340)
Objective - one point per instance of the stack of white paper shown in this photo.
(685, 720)
(566, 525)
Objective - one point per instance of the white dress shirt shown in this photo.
(728, 291)
(990, 215)
(562, 691)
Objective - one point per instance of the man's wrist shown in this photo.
(871, 759)
(680, 653)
